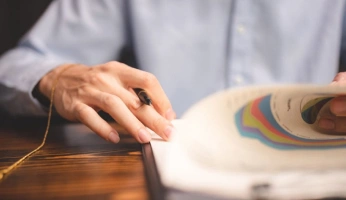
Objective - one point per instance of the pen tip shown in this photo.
(148, 101)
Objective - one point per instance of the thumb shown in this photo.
(339, 79)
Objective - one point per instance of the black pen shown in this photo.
(143, 96)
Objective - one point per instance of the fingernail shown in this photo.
(168, 131)
(144, 135)
(326, 124)
(113, 137)
(170, 115)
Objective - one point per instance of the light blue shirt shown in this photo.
(194, 47)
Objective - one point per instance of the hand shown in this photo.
(332, 118)
(82, 91)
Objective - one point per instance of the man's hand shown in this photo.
(82, 91)
(333, 115)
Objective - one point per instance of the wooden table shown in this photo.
(74, 164)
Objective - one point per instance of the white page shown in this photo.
(208, 154)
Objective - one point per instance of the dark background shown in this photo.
(16, 17)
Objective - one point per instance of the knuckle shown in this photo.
(82, 91)
(149, 79)
(134, 105)
(111, 65)
(110, 100)
(80, 111)
(120, 65)
(96, 78)
(104, 67)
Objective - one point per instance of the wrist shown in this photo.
(46, 83)
(39, 96)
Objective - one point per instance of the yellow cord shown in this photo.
(14, 165)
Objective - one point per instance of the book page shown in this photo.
(237, 141)
(297, 113)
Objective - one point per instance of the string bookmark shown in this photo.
(14, 165)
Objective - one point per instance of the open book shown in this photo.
(256, 143)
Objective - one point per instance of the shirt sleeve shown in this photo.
(79, 31)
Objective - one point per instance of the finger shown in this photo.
(146, 114)
(338, 106)
(135, 78)
(340, 78)
(91, 119)
(336, 125)
(130, 99)
(328, 122)
(114, 106)
(159, 99)
(153, 120)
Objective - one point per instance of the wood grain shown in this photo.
(74, 164)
